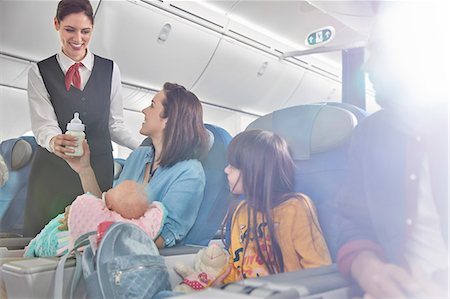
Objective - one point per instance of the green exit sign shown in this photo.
(320, 36)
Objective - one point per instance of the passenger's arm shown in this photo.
(381, 280)
(182, 201)
(82, 166)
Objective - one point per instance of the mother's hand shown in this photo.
(79, 164)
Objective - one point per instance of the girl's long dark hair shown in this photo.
(267, 174)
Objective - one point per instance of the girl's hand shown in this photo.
(63, 144)
(79, 164)
(219, 279)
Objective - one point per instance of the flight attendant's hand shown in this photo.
(82, 163)
(62, 144)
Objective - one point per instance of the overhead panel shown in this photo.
(27, 30)
(13, 100)
(136, 99)
(152, 46)
(241, 77)
(358, 15)
(232, 121)
(13, 72)
(316, 88)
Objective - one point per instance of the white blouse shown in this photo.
(43, 118)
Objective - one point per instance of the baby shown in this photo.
(123, 203)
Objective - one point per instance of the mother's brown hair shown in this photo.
(185, 136)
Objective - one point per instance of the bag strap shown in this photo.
(82, 241)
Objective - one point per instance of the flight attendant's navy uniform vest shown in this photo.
(53, 184)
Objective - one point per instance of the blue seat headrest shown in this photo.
(3, 171)
(309, 129)
(148, 141)
(118, 166)
(16, 152)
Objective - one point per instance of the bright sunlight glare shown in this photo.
(415, 36)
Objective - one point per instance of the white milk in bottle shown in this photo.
(76, 128)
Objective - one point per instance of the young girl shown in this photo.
(273, 229)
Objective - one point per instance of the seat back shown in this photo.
(215, 199)
(17, 154)
(318, 136)
(118, 166)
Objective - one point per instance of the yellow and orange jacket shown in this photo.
(297, 231)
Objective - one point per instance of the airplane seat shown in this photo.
(215, 198)
(318, 136)
(17, 154)
(118, 166)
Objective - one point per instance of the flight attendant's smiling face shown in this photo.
(75, 31)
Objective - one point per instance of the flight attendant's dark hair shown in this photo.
(185, 136)
(67, 7)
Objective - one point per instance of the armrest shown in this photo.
(179, 250)
(14, 242)
(306, 282)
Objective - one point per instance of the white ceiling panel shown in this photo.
(290, 21)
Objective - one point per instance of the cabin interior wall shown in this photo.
(227, 70)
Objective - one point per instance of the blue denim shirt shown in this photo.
(179, 187)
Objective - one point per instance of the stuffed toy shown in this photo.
(210, 262)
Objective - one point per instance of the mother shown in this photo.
(170, 168)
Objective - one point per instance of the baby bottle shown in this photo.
(76, 128)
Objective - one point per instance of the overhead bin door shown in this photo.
(128, 33)
(244, 78)
(316, 88)
(17, 123)
(13, 72)
(26, 29)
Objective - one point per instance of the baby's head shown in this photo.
(128, 199)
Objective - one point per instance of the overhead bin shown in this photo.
(315, 87)
(150, 45)
(247, 79)
(33, 36)
(13, 99)
(235, 122)
(14, 72)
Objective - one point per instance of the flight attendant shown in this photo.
(73, 80)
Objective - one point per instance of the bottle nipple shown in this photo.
(76, 118)
(75, 124)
